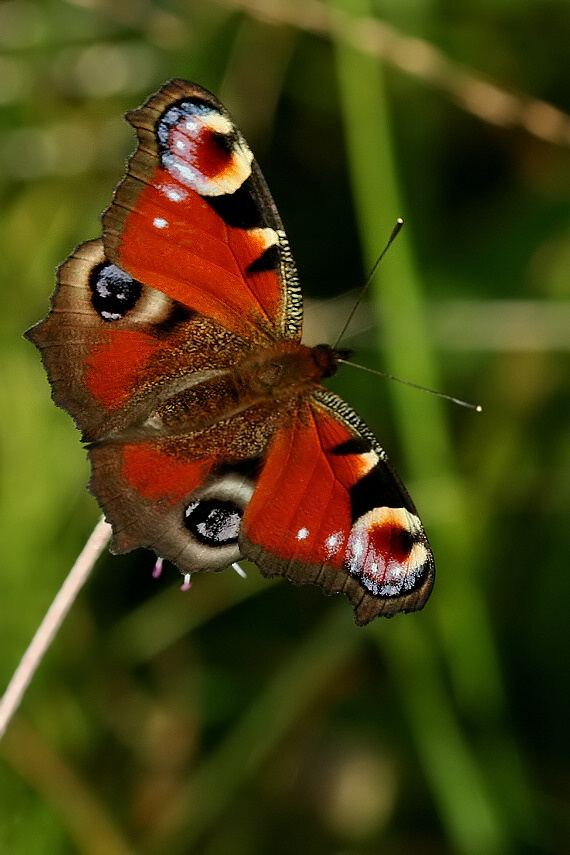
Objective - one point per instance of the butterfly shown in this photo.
(174, 342)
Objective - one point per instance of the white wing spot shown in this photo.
(333, 542)
(160, 223)
(302, 533)
(175, 194)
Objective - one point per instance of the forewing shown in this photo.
(194, 218)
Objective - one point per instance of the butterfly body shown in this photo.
(175, 344)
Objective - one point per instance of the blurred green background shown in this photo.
(255, 717)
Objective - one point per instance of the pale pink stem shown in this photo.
(52, 621)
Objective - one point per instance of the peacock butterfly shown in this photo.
(174, 343)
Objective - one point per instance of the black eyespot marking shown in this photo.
(270, 259)
(113, 292)
(357, 445)
(239, 209)
(225, 142)
(213, 522)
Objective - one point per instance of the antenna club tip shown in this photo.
(478, 408)
(398, 225)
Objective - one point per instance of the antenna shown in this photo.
(365, 287)
(393, 235)
(477, 407)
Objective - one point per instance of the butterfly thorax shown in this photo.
(285, 369)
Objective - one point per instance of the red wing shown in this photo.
(114, 348)
(329, 509)
(194, 218)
